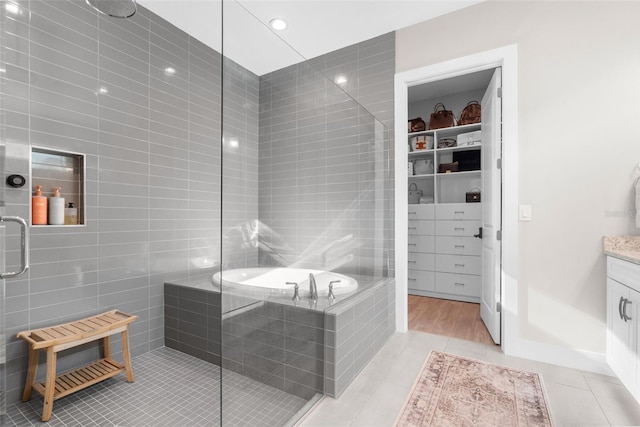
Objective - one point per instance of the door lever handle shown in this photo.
(479, 235)
(24, 245)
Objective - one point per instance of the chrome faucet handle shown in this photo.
(296, 295)
(331, 295)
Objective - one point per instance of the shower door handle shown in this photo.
(24, 245)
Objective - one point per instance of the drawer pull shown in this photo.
(458, 284)
(412, 213)
(411, 262)
(458, 246)
(459, 265)
(412, 279)
(459, 228)
(413, 228)
(458, 212)
(413, 244)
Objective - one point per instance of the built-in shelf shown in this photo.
(54, 168)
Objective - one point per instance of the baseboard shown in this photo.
(562, 356)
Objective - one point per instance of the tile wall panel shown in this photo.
(152, 145)
(319, 156)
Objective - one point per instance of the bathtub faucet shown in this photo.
(313, 289)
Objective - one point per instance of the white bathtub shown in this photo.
(273, 281)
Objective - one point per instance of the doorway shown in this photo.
(506, 293)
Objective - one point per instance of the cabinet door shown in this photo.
(421, 280)
(457, 228)
(458, 245)
(458, 284)
(425, 244)
(421, 261)
(462, 264)
(619, 354)
(459, 211)
(632, 310)
(421, 227)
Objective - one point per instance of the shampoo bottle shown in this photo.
(56, 208)
(70, 215)
(38, 208)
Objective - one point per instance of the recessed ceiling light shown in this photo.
(103, 90)
(341, 79)
(278, 24)
(170, 70)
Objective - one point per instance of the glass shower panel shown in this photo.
(305, 196)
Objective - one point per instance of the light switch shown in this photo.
(525, 213)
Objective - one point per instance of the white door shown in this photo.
(491, 205)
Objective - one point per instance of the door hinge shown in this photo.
(498, 307)
(499, 163)
(499, 92)
(499, 235)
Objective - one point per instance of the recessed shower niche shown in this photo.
(66, 171)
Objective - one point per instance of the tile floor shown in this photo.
(170, 389)
(376, 396)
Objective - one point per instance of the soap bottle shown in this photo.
(70, 215)
(38, 208)
(56, 208)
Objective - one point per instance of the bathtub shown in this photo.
(273, 281)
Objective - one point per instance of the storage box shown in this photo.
(469, 138)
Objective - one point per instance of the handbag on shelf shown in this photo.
(417, 125)
(448, 167)
(414, 194)
(473, 195)
(447, 142)
(470, 114)
(441, 117)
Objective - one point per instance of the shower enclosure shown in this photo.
(209, 191)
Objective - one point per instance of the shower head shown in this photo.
(114, 8)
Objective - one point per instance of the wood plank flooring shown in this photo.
(454, 319)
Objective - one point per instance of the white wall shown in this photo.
(579, 140)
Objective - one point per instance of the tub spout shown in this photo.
(313, 289)
(331, 294)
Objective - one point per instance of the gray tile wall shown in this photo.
(355, 332)
(325, 167)
(152, 143)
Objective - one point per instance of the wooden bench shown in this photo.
(61, 337)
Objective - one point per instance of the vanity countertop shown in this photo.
(623, 247)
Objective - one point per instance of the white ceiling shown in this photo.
(315, 27)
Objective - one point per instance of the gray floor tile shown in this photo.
(170, 389)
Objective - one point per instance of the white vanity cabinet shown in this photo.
(623, 320)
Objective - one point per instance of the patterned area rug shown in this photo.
(457, 391)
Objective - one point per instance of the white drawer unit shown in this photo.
(459, 211)
(422, 261)
(462, 264)
(457, 228)
(458, 245)
(422, 244)
(421, 227)
(459, 284)
(421, 280)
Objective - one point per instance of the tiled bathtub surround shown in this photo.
(77, 81)
(283, 344)
(355, 331)
(276, 344)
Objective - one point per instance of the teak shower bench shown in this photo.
(72, 334)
